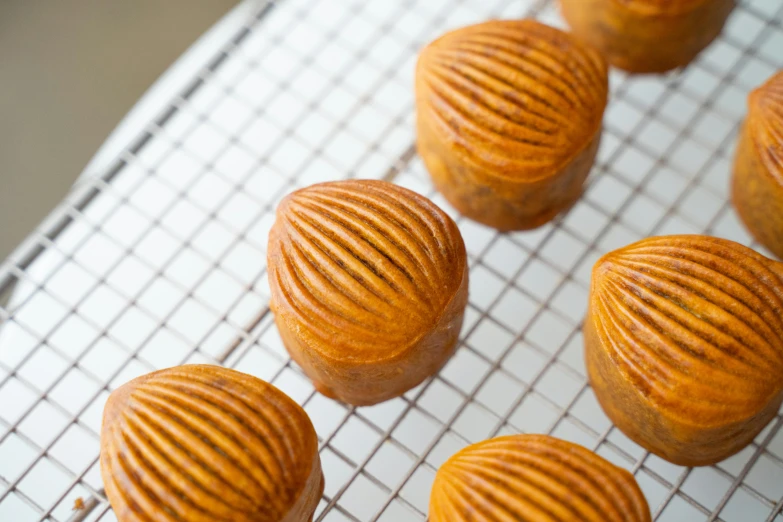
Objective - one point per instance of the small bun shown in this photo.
(758, 167)
(684, 340)
(509, 118)
(203, 443)
(647, 36)
(534, 477)
(369, 287)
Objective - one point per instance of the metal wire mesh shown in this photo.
(162, 262)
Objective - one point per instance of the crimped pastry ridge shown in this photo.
(513, 95)
(358, 260)
(765, 125)
(534, 478)
(202, 443)
(696, 314)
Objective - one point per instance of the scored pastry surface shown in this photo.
(765, 124)
(369, 286)
(517, 98)
(684, 342)
(533, 478)
(197, 443)
(757, 190)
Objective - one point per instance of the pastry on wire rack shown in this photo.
(198, 442)
(369, 284)
(684, 345)
(647, 36)
(509, 117)
(757, 185)
(534, 477)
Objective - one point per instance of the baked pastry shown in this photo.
(647, 36)
(369, 284)
(534, 478)
(201, 443)
(684, 345)
(509, 120)
(758, 167)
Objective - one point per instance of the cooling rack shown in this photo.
(162, 262)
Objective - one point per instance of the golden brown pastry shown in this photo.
(203, 443)
(758, 167)
(509, 120)
(647, 36)
(534, 478)
(684, 345)
(369, 284)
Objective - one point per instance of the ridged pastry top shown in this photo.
(517, 98)
(693, 321)
(534, 478)
(765, 124)
(367, 263)
(204, 443)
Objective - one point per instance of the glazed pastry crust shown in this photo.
(509, 119)
(684, 345)
(534, 477)
(369, 286)
(647, 36)
(200, 443)
(757, 185)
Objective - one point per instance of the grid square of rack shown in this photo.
(162, 262)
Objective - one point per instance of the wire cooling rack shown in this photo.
(162, 262)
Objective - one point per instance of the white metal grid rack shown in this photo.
(162, 262)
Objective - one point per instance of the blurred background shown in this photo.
(70, 72)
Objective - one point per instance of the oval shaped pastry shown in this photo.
(203, 443)
(534, 478)
(369, 285)
(509, 120)
(684, 345)
(647, 36)
(757, 184)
